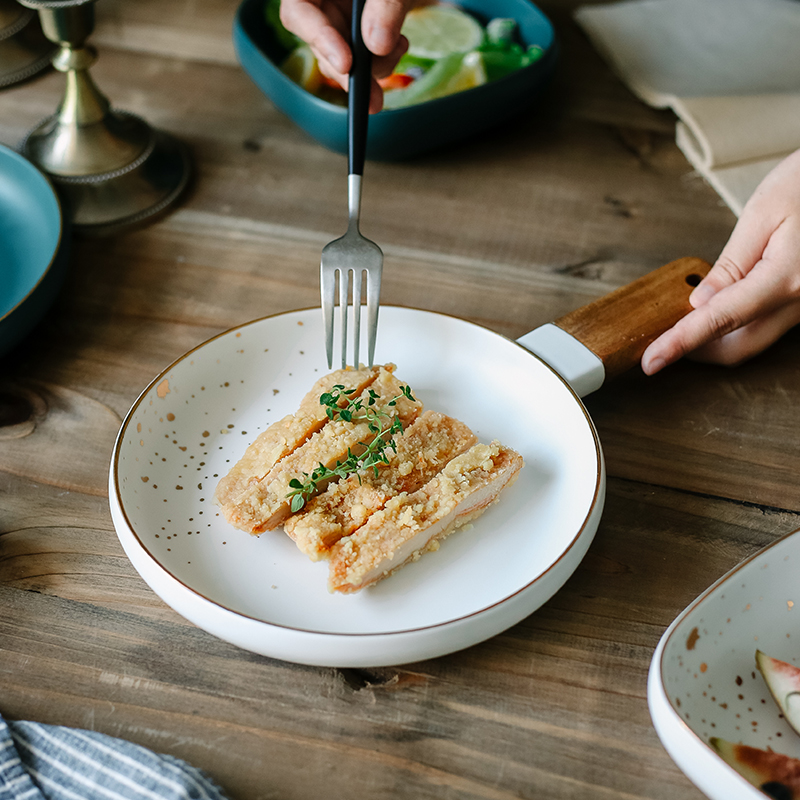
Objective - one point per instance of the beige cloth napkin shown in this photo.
(730, 69)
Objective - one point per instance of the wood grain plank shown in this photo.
(135, 304)
(556, 704)
(720, 431)
(577, 196)
(182, 30)
(549, 211)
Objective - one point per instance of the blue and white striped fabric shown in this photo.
(49, 762)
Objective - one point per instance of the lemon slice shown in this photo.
(301, 66)
(470, 74)
(438, 31)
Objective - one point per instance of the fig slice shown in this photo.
(783, 682)
(775, 774)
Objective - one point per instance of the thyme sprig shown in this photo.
(359, 409)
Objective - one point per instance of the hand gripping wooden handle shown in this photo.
(618, 327)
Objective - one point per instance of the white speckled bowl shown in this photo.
(703, 680)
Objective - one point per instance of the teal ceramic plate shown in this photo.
(33, 247)
(402, 132)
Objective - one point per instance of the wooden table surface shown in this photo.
(579, 195)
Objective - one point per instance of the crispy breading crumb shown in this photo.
(263, 505)
(423, 449)
(287, 434)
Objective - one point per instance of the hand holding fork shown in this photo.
(353, 255)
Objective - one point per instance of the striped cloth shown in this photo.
(49, 762)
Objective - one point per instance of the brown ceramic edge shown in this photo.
(163, 373)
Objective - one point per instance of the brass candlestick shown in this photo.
(112, 168)
(24, 51)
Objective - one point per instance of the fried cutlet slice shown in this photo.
(287, 434)
(423, 449)
(411, 524)
(264, 504)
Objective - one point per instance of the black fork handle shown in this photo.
(360, 85)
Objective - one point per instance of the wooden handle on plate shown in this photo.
(618, 327)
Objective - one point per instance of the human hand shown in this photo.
(751, 296)
(325, 26)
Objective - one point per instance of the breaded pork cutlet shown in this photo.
(411, 524)
(423, 449)
(286, 435)
(264, 504)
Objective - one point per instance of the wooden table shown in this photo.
(579, 195)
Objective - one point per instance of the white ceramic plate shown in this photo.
(196, 419)
(703, 680)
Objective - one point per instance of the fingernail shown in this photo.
(334, 59)
(702, 294)
(331, 52)
(376, 37)
(654, 365)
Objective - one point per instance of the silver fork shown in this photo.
(353, 257)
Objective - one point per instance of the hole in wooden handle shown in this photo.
(693, 279)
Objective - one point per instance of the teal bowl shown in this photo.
(33, 247)
(403, 132)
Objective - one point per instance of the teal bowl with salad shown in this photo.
(469, 68)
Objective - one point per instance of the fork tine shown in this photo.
(327, 283)
(357, 278)
(344, 285)
(373, 305)
(350, 293)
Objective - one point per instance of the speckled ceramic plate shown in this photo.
(196, 419)
(703, 680)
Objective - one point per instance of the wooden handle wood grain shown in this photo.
(618, 327)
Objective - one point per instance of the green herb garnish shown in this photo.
(359, 409)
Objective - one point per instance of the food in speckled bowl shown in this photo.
(704, 682)
(403, 132)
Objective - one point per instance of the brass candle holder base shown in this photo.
(112, 169)
(106, 202)
(24, 50)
